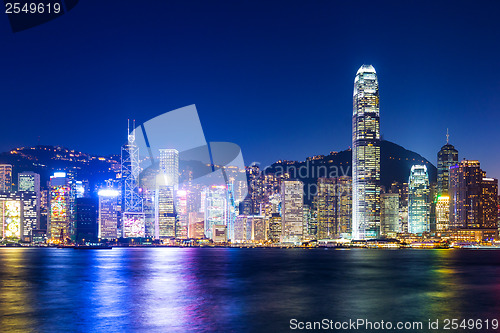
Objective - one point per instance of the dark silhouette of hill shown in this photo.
(395, 165)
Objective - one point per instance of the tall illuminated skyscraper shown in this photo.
(133, 217)
(389, 213)
(59, 221)
(366, 155)
(465, 194)
(109, 213)
(292, 214)
(29, 183)
(326, 205)
(132, 201)
(215, 208)
(418, 200)
(169, 166)
(447, 157)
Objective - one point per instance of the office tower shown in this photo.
(274, 233)
(182, 214)
(133, 217)
(488, 203)
(344, 205)
(366, 155)
(169, 167)
(325, 204)
(44, 210)
(29, 182)
(256, 188)
(215, 208)
(132, 201)
(11, 216)
(5, 177)
(196, 225)
(389, 213)
(292, 198)
(165, 212)
(442, 213)
(418, 200)
(86, 219)
(219, 233)
(147, 180)
(465, 194)
(60, 215)
(109, 213)
(402, 190)
(250, 228)
(447, 157)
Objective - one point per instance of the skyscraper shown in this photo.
(5, 177)
(169, 166)
(29, 183)
(344, 205)
(465, 193)
(418, 200)
(326, 204)
(292, 214)
(132, 201)
(389, 213)
(109, 213)
(86, 219)
(165, 212)
(133, 217)
(447, 157)
(59, 221)
(488, 204)
(215, 207)
(442, 213)
(366, 155)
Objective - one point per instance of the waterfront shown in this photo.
(233, 290)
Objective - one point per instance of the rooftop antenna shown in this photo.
(447, 137)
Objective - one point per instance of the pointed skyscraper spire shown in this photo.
(447, 137)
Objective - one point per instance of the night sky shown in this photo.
(274, 77)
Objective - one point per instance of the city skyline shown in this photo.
(431, 76)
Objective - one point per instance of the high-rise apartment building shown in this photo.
(366, 155)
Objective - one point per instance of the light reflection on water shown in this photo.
(218, 290)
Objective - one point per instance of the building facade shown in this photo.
(366, 155)
(418, 200)
(292, 211)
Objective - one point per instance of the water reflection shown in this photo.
(175, 289)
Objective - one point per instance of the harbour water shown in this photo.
(241, 290)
